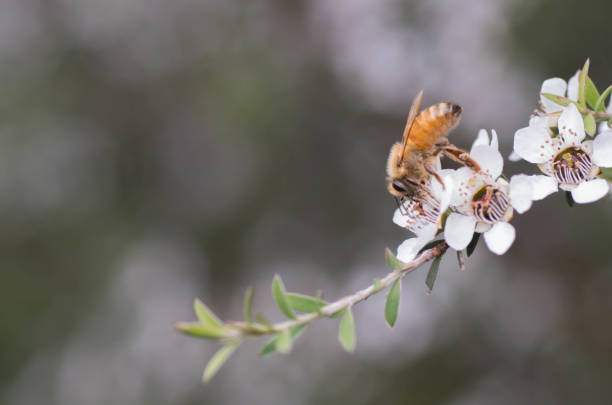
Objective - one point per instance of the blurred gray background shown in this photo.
(152, 151)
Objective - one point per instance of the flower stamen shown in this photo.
(489, 205)
(572, 166)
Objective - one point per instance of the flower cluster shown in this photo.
(483, 201)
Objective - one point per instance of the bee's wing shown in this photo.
(414, 111)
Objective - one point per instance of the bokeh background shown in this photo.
(152, 151)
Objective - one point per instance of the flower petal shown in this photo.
(514, 157)
(542, 186)
(571, 125)
(494, 140)
(490, 160)
(590, 191)
(602, 149)
(533, 144)
(500, 237)
(572, 87)
(400, 219)
(446, 194)
(554, 86)
(409, 248)
(459, 230)
(481, 139)
(521, 191)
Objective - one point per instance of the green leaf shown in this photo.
(346, 331)
(584, 73)
(600, 105)
(432, 274)
(278, 291)
(304, 303)
(283, 343)
(260, 318)
(430, 245)
(473, 243)
(606, 173)
(338, 314)
(205, 315)
(218, 359)
(569, 199)
(248, 305)
(592, 95)
(200, 330)
(589, 124)
(393, 300)
(610, 123)
(393, 262)
(377, 285)
(270, 347)
(563, 101)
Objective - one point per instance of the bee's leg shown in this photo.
(435, 174)
(460, 156)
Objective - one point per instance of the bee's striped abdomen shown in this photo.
(433, 123)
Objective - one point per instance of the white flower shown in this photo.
(572, 162)
(558, 87)
(484, 201)
(423, 217)
(550, 110)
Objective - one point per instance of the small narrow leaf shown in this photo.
(569, 199)
(393, 300)
(601, 101)
(393, 262)
(346, 331)
(262, 320)
(205, 315)
(278, 291)
(473, 243)
(338, 314)
(304, 303)
(218, 359)
(563, 101)
(377, 285)
(589, 124)
(461, 259)
(283, 343)
(592, 95)
(432, 274)
(200, 330)
(584, 73)
(248, 305)
(430, 245)
(606, 173)
(270, 347)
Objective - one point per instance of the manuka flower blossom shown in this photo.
(423, 217)
(567, 158)
(484, 201)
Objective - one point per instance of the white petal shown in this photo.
(482, 227)
(464, 180)
(447, 193)
(481, 139)
(590, 191)
(542, 186)
(602, 149)
(520, 192)
(533, 144)
(408, 250)
(500, 237)
(490, 160)
(459, 230)
(514, 157)
(400, 219)
(494, 140)
(572, 87)
(571, 125)
(554, 86)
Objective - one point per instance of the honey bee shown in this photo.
(412, 162)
